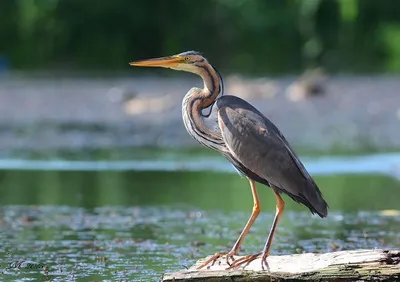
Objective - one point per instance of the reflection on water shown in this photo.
(206, 190)
(87, 225)
(142, 242)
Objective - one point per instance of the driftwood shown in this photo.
(358, 265)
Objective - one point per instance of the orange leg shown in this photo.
(239, 241)
(280, 205)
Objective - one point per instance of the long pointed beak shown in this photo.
(165, 62)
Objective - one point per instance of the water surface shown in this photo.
(136, 225)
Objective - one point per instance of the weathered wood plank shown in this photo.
(357, 265)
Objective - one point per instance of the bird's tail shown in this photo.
(316, 202)
(311, 198)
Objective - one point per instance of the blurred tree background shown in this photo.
(95, 161)
(285, 35)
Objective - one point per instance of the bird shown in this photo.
(246, 138)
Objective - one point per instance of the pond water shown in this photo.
(94, 221)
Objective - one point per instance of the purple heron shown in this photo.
(249, 140)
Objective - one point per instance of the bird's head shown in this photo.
(190, 61)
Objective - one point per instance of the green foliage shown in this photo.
(391, 38)
(257, 36)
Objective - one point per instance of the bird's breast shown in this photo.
(202, 127)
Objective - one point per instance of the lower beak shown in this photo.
(165, 62)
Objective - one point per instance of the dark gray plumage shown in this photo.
(259, 150)
(250, 141)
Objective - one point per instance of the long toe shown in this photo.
(264, 263)
(211, 261)
(246, 260)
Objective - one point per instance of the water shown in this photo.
(91, 221)
(384, 163)
(133, 243)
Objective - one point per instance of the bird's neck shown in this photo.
(212, 86)
(198, 99)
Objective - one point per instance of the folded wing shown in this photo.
(255, 143)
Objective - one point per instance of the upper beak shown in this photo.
(165, 62)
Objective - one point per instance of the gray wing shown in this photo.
(257, 144)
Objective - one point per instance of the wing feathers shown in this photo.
(257, 144)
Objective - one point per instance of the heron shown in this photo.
(246, 138)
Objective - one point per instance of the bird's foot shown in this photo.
(246, 260)
(214, 258)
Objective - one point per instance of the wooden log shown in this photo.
(357, 265)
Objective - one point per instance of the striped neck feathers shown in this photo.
(213, 85)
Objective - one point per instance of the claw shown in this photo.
(249, 258)
(214, 258)
(264, 261)
(244, 260)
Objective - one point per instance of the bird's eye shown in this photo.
(187, 59)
